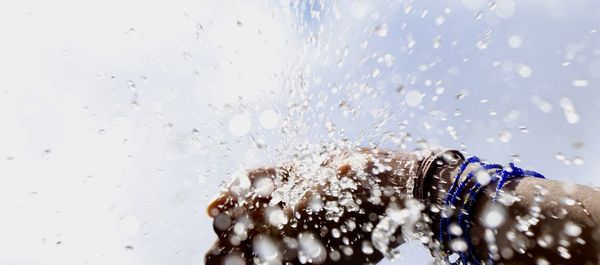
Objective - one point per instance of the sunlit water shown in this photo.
(121, 120)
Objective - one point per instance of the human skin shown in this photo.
(384, 181)
(565, 230)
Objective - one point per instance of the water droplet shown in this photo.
(410, 42)
(504, 136)
(455, 229)
(437, 42)
(573, 230)
(523, 129)
(360, 9)
(440, 20)
(263, 187)
(568, 201)
(240, 185)
(514, 41)
(234, 259)
(276, 216)
(310, 249)
(524, 70)
(483, 177)
(494, 216)
(542, 104)
(505, 8)
(462, 94)
(367, 248)
(578, 161)
(269, 119)
(131, 84)
(542, 261)
(458, 245)
(381, 30)
(580, 83)
(335, 255)
(222, 222)
(569, 110)
(316, 205)
(564, 252)
(266, 249)
(335, 233)
(413, 98)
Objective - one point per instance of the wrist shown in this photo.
(435, 177)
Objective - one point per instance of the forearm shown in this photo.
(542, 220)
(549, 221)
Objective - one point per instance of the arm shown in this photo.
(338, 216)
(535, 221)
(550, 222)
(320, 212)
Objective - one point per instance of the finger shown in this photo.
(243, 187)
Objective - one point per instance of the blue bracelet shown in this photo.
(499, 175)
(444, 219)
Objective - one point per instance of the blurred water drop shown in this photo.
(524, 70)
(455, 229)
(462, 94)
(131, 84)
(311, 250)
(359, 9)
(367, 248)
(440, 20)
(382, 30)
(568, 201)
(504, 136)
(437, 42)
(266, 248)
(413, 98)
(514, 41)
(269, 119)
(523, 129)
(410, 42)
(542, 104)
(234, 259)
(572, 229)
(505, 8)
(276, 216)
(458, 245)
(569, 110)
(580, 83)
(542, 261)
(494, 216)
(578, 161)
(483, 177)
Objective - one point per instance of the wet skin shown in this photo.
(388, 173)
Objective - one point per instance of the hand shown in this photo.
(325, 211)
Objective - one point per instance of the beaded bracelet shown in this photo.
(499, 175)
